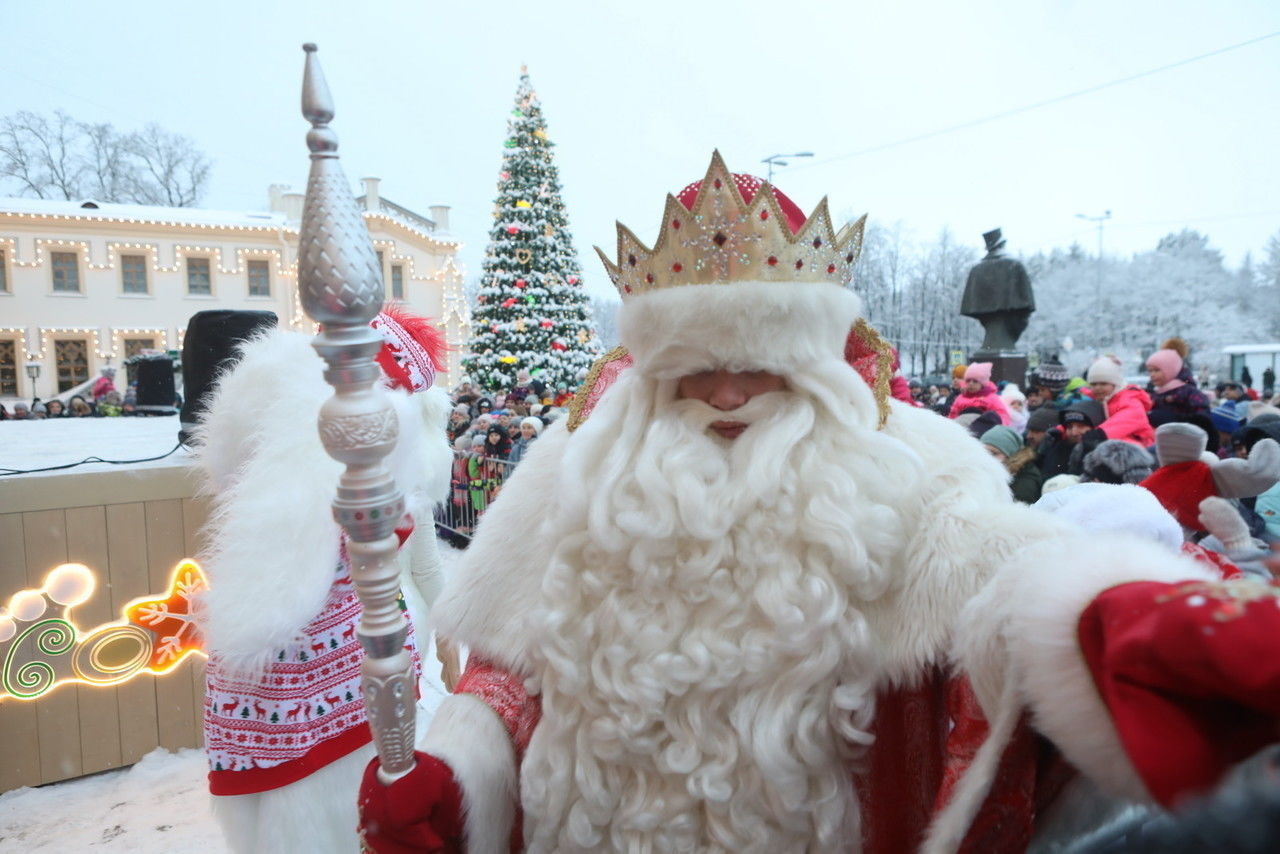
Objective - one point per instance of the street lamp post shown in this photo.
(33, 372)
(776, 160)
(1101, 221)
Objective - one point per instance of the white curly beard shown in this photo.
(707, 677)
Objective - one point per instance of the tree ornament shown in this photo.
(520, 322)
(511, 143)
(506, 176)
(530, 300)
(482, 299)
(494, 329)
(523, 256)
(508, 302)
(558, 346)
(573, 280)
(540, 133)
(583, 336)
(517, 112)
(546, 324)
(513, 229)
(520, 283)
(508, 360)
(523, 204)
(548, 231)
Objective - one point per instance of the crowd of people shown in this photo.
(490, 435)
(104, 400)
(1063, 430)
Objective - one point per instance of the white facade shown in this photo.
(84, 285)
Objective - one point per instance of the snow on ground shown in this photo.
(158, 806)
(26, 445)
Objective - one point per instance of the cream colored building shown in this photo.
(84, 284)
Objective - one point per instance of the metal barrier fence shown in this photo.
(474, 484)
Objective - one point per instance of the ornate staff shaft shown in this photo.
(340, 287)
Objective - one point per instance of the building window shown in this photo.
(397, 281)
(72, 357)
(382, 269)
(134, 346)
(66, 272)
(199, 282)
(259, 279)
(4, 273)
(133, 273)
(8, 369)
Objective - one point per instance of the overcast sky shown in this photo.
(637, 96)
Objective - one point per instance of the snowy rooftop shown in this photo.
(107, 212)
(27, 445)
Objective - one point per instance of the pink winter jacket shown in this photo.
(1127, 417)
(987, 399)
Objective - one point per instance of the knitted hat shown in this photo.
(412, 351)
(478, 440)
(1052, 375)
(980, 371)
(1059, 481)
(1083, 412)
(1167, 361)
(1003, 439)
(535, 423)
(1114, 461)
(1225, 417)
(1106, 370)
(982, 423)
(1042, 419)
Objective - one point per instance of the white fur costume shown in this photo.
(272, 548)
(708, 624)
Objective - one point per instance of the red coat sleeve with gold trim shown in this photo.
(1190, 674)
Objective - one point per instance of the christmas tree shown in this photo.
(532, 311)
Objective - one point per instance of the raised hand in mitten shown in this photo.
(1221, 519)
(420, 813)
(1236, 478)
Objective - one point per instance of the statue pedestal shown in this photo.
(1006, 366)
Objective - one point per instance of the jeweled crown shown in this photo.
(726, 239)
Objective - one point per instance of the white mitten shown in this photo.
(1236, 478)
(1177, 442)
(1221, 519)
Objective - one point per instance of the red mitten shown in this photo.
(420, 812)
(1189, 674)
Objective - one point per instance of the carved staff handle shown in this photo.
(340, 287)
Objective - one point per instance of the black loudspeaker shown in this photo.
(208, 349)
(155, 385)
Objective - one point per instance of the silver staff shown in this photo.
(340, 287)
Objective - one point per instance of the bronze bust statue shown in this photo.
(998, 295)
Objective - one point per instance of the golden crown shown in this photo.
(724, 239)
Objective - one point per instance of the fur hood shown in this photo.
(270, 547)
(1024, 457)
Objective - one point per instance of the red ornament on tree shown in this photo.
(557, 345)
(573, 280)
(520, 283)
(494, 329)
(513, 229)
(508, 302)
(546, 324)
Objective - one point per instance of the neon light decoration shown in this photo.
(41, 647)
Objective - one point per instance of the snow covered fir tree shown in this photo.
(532, 311)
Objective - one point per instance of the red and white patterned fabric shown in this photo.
(302, 712)
(504, 692)
(412, 349)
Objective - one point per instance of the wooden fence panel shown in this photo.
(99, 705)
(44, 533)
(131, 578)
(19, 731)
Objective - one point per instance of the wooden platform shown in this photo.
(131, 527)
